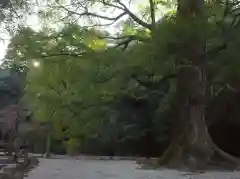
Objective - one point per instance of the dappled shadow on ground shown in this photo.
(20, 171)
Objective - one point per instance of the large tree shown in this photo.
(191, 143)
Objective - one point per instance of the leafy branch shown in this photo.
(125, 40)
(133, 37)
(134, 17)
(153, 85)
(65, 54)
(120, 6)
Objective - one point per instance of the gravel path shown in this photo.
(99, 169)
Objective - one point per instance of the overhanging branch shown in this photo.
(153, 85)
(85, 107)
(134, 17)
(215, 50)
(104, 2)
(86, 13)
(126, 40)
(132, 37)
(66, 54)
(121, 7)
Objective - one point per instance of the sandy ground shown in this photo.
(121, 169)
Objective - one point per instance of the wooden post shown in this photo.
(48, 142)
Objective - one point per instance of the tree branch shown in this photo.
(133, 37)
(134, 17)
(65, 54)
(101, 25)
(153, 85)
(85, 107)
(125, 43)
(94, 14)
(126, 40)
(122, 7)
(215, 51)
(97, 105)
(152, 12)
(111, 5)
(59, 94)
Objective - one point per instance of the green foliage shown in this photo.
(78, 81)
(72, 145)
(113, 97)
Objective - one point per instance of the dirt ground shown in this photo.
(112, 169)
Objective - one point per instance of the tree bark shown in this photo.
(191, 145)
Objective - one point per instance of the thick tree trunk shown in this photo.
(191, 145)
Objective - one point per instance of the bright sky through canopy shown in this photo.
(34, 22)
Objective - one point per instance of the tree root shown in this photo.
(224, 159)
(179, 157)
